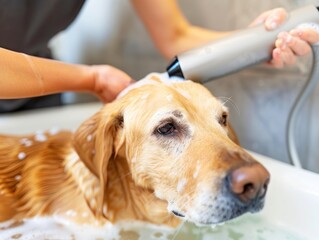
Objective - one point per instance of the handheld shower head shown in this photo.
(232, 53)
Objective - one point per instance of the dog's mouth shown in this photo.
(223, 210)
(178, 214)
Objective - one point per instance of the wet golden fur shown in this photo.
(116, 166)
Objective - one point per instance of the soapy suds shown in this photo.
(247, 227)
(40, 137)
(89, 138)
(18, 177)
(41, 228)
(53, 131)
(21, 155)
(148, 81)
(26, 142)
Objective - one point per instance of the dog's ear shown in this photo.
(94, 143)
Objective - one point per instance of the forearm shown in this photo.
(169, 29)
(22, 75)
(193, 37)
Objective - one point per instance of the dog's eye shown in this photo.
(166, 129)
(223, 119)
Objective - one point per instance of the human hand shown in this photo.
(109, 81)
(289, 45)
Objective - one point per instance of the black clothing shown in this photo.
(27, 26)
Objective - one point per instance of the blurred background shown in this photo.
(109, 32)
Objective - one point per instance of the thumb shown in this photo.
(276, 17)
(271, 19)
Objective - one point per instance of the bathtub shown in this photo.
(291, 211)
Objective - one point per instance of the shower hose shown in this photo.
(303, 96)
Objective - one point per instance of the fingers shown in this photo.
(288, 45)
(307, 34)
(260, 19)
(276, 60)
(275, 17)
(282, 57)
(296, 44)
(271, 19)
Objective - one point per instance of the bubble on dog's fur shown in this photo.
(40, 137)
(181, 185)
(54, 131)
(89, 138)
(21, 155)
(71, 213)
(18, 177)
(26, 142)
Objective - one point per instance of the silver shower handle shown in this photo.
(232, 53)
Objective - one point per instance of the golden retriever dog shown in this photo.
(162, 152)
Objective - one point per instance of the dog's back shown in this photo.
(31, 171)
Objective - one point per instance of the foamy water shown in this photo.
(250, 227)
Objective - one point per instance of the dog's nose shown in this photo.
(248, 182)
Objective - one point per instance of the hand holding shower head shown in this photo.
(232, 53)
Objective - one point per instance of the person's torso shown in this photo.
(27, 26)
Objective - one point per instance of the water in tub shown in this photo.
(247, 227)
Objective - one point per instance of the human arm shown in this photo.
(22, 75)
(169, 29)
(172, 33)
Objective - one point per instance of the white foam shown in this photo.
(59, 228)
(89, 138)
(18, 177)
(21, 155)
(71, 213)
(40, 137)
(54, 131)
(147, 80)
(26, 142)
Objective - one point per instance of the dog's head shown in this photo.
(177, 143)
